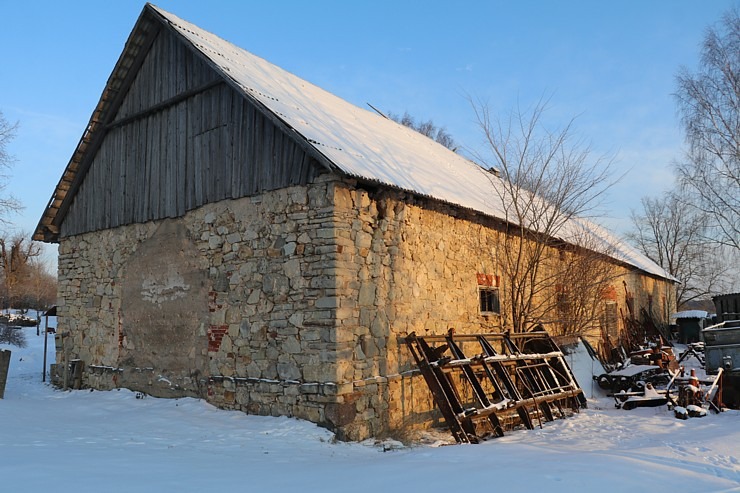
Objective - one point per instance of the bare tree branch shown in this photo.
(427, 128)
(17, 257)
(674, 237)
(709, 102)
(547, 184)
(8, 204)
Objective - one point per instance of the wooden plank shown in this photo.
(168, 205)
(250, 152)
(225, 99)
(153, 166)
(235, 131)
(144, 113)
(180, 161)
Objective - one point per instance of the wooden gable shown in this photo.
(178, 136)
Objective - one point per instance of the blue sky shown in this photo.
(611, 65)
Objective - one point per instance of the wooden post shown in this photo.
(46, 343)
(65, 376)
(77, 367)
(4, 364)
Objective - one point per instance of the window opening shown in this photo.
(489, 300)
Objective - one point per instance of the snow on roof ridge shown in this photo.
(366, 145)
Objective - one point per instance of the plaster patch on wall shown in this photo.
(164, 301)
(157, 290)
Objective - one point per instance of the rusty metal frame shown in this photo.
(499, 389)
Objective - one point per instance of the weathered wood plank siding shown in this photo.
(210, 144)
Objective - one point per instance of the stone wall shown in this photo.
(404, 269)
(294, 302)
(414, 265)
(234, 302)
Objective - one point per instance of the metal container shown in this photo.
(722, 348)
(716, 335)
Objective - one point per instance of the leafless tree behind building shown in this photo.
(18, 263)
(426, 128)
(7, 202)
(674, 237)
(709, 106)
(547, 183)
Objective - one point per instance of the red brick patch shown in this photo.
(609, 293)
(488, 280)
(215, 336)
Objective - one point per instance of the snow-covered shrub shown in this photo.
(12, 335)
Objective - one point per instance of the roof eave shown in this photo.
(142, 36)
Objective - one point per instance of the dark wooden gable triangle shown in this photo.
(171, 133)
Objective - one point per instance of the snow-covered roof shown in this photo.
(691, 314)
(352, 140)
(368, 146)
(726, 294)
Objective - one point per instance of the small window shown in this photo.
(489, 302)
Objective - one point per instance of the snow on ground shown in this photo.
(83, 441)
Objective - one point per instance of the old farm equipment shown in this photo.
(484, 384)
(722, 354)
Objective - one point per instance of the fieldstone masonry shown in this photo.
(293, 302)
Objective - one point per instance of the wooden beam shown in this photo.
(164, 104)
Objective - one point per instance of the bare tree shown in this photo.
(40, 291)
(17, 254)
(12, 336)
(709, 104)
(547, 183)
(674, 237)
(7, 132)
(581, 279)
(427, 128)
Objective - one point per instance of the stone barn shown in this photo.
(229, 231)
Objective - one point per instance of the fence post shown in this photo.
(4, 364)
